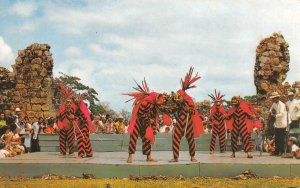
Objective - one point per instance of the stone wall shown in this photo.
(30, 85)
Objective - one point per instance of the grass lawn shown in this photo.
(124, 183)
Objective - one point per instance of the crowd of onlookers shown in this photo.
(19, 134)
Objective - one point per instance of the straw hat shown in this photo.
(120, 117)
(18, 109)
(274, 95)
(290, 93)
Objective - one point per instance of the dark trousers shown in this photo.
(279, 140)
(294, 124)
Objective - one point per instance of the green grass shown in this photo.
(124, 183)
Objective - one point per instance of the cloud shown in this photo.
(6, 55)
(28, 26)
(23, 9)
(111, 43)
(72, 52)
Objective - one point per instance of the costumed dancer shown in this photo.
(240, 124)
(217, 120)
(144, 119)
(83, 127)
(65, 122)
(188, 122)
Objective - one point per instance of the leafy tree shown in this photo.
(74, 83)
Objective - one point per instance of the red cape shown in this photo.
(83, 108)
(197, 122)
(245, 106)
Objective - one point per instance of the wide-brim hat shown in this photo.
(274, 95)
(290, 93)
(18, 109)
(120, 117)
(293, 139)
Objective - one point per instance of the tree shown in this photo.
(126, 114)
(74, 83)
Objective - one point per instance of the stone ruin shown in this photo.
(271, 68)
(30, 85)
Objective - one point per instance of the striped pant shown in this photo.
(183, 129)
(66, 136)
(83, 141)
(146, 144)
(218, 130)
(240, 129)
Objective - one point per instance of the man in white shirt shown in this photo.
(278, 111)
(293, 107)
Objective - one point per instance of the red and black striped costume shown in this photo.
(66, 132)
(188, 122)
(239, 124)
(83, 127)
(66, 121)
(146, 117)
(218, 117)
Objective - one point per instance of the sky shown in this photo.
(111, 43)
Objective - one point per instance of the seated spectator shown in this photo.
(14, 140)
(120, 127)
(293, 148)
(98, 124)
(4, 152)
(109, 127)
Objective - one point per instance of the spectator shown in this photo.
(15, 141)
(34, 141)
(27, 134)
(50, 128)
(4, 152)
(98, 124)
(167, 130)
(293, 107)
(126, 124)
(293, 148)
(3, 124)
(120, 127)
(109, 126)
(18, 116)
(278, 111)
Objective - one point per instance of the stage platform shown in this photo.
(113, 164)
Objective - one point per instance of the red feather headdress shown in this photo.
(189, 80)
(66, 91)
(217, 96)
(142, 91)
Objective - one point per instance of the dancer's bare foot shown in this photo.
(150, 159)
(61, 154)
(212, 152)
(249, 156)
(129, 159)
(174, 160)
(72, 154)
(232, 155)
(193, 159)
(222, 151)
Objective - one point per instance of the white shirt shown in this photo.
(35, 127)
(294, 109)
(3, 153)
(294, 148)
(281, 115)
